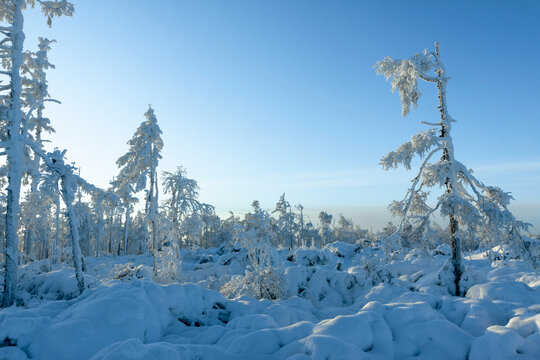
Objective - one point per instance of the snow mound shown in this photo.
(340, 302)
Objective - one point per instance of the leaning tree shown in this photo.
(469, 205)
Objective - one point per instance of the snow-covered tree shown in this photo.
(468, 204)
(138, 168)
(345, 231)
(325, 232)
(211, 225)
(285, 222)
(50, 196)
(35, 94)
(99, 201)
(54, 162)
(126, 194)
(263, 279)
(183, 197)
(301, 237)
(16, 118)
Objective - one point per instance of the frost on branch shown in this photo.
(419, 145)
(56, 8)
(262, 279)
(473, 209)
(404, 76)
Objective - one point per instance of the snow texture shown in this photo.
(340, 302)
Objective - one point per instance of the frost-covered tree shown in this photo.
(126, 194)
(285, 222)
(99, 201)
(54, 162)
(211, 225)
(325, 232)
(34, 95)
(311, 235)
(226, 229)
(85, 221)
(468, 204)
(345, 231)
(15, 118)
(50, 196)
(183, 198)
(301, 237)
(138, 168)
(263, 279)
(189, 219)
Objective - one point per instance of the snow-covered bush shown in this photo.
(445, 278)
(264, 283)
(262, 279)
(376, 272)
(170, 264)
(129, 271)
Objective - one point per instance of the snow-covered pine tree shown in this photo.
(468, 204)
(15, 117)
(139, 166)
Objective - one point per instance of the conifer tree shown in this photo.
(138, 168)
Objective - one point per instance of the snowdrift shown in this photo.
(341, 302)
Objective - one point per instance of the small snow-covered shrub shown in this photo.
(376, 273)
(214, 282)
(342, 249)
(391, 244)
(443, 249)
(309, 257)
(129, 271)
(446, 278)
(170, 269)
(66, 255)
(266, 283)
(262, 279)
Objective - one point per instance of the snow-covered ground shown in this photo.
(341, 302)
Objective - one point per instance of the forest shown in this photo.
(144, 269)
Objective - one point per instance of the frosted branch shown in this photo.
(415, 183)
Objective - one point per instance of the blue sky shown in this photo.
(257, 98)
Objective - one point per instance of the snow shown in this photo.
(326, 313)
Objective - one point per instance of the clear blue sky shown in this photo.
(257, 98)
